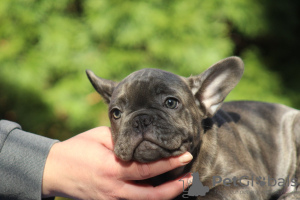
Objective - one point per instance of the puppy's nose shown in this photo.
(141, 122)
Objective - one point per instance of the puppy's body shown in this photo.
(156, 114)
(250, 139)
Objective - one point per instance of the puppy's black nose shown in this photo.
(141, 122)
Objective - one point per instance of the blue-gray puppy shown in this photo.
(242, 150)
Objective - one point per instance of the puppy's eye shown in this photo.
(171, 103)
(116, 113)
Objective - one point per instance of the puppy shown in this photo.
(242, 150)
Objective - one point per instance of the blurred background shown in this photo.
(45, 47)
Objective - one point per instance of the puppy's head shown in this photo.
(156, 114)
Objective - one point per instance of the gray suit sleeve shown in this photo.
(22, 161)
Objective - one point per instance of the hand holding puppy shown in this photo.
(85, 167)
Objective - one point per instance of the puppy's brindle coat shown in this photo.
(156, 114)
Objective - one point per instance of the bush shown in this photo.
(46, 46)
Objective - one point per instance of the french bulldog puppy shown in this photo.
(242, 150)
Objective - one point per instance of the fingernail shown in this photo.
(186, 158)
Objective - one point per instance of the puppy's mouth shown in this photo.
(149, 151)
(151, 145)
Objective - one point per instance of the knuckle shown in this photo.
(117, 173)
(172, 163)
(144, 170)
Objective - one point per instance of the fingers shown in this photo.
(168, 190)
(140, 171)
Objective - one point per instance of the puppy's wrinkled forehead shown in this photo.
(142, 85)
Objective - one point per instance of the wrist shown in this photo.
(50, 182)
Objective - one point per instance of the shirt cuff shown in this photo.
(22, 161)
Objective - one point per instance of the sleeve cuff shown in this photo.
(22, 162)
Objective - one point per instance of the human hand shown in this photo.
(85, 167)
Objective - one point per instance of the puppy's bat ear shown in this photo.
(212, 86)
(104, 87)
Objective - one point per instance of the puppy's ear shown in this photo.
(104, 87)
(212, 86)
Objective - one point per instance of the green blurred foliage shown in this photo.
(45, 47)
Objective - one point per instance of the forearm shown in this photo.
(22, 161)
